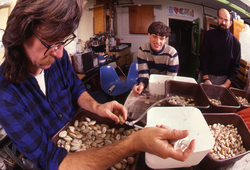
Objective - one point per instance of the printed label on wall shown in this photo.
(180, 11)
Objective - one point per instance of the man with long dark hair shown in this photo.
(40, 92)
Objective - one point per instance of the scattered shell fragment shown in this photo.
(147, 102)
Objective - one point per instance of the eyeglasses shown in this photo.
(56, 46)
(226, 20)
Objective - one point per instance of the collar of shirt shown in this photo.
(158, 52)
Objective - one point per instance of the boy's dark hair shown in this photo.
(159, 28)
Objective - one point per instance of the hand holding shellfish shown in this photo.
(112, 110)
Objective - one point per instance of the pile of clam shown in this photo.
(242, 100)
(185, 101)
(228, 143)
(215, 101)
(88, 134)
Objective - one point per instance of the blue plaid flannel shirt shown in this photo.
(30, 118)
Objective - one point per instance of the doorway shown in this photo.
(180, 39)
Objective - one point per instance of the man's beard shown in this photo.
(223, 28)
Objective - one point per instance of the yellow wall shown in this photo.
(85, 29)
(4, 12)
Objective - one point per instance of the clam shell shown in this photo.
(63, 134)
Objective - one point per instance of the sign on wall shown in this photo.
(180, 11)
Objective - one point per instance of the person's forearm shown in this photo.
(141, 141)
(100, 158)
(85, 101)
(227, 83)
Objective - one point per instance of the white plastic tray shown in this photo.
(157, 82)
(176, 118)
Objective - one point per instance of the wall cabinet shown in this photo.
(140, 17)
(104, 19)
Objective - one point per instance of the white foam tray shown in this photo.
(175, 117)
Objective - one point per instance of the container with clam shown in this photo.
(190, 94)
(89, 131)
(220, 98)
(232, 140)
(242, 96)
(218, 106)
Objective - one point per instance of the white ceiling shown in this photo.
(215, 4)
